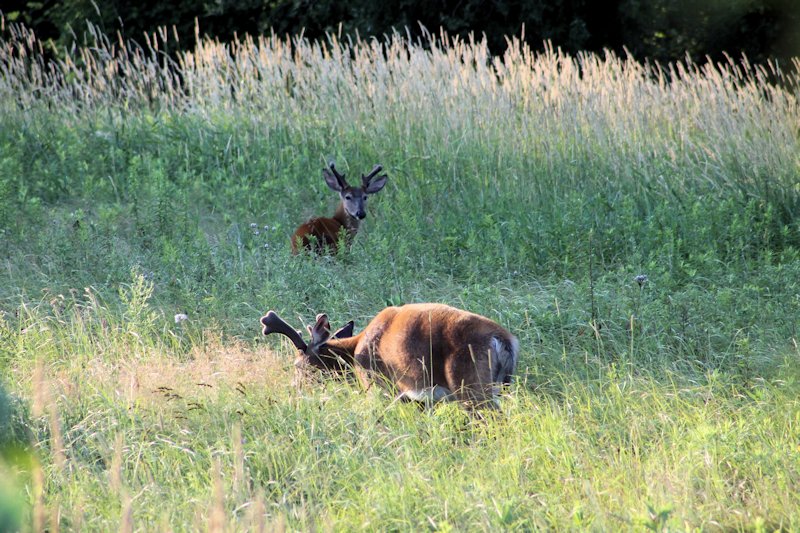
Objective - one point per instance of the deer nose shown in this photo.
(361, 215)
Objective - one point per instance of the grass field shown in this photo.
(532, 188)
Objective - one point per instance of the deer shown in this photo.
(428, 352)
(320, 233)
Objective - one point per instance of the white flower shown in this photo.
(180, 317)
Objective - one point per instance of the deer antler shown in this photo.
(339, 177)
(368, 178)
(274, 324)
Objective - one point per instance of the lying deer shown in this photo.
(429, 352)
(319, 233)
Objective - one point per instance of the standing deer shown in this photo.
(319, 233)
(428, 352)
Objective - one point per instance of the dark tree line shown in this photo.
(655, 29)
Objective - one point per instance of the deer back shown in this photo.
(317, 234)
(424, 350)
(419, 347)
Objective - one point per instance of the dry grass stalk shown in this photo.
(55, 518)
(39, 509)
(256, 516)
(216, 520)
(76, 515)
(239, 478)
(40, 390)
(126, 518)
(278, 524)
(115, 469)
(57, 439)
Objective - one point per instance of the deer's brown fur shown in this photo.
(427, 351)
(321, 233)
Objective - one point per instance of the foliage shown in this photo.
(634, 225)
(13, 457)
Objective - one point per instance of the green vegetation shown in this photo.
(531, 188)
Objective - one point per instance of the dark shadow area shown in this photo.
(662, 30)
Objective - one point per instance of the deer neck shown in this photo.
(350, 223)
(345, 348)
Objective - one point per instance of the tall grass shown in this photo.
(533, 188)
(524, 138)
(567, 122)
(143, 435)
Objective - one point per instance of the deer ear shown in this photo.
(333, 181)
(375, 185)
(321, 331)
(345, 331)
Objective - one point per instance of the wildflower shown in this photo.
(180, 317)
(266, 245)
(253, 225)
(641, 279)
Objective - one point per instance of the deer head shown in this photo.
(354, 199)
(314, 353)
(321, 233)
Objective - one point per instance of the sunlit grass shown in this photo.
(158, 431)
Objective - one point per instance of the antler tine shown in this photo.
(274, 324)
(332, 166)
(336, 175)
(366, 179)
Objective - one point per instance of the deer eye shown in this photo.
(348, 196)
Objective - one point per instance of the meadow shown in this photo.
(635, 225)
